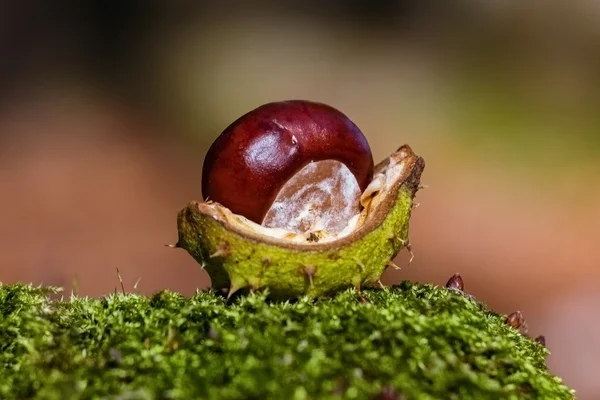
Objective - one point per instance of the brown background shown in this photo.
(107, 112)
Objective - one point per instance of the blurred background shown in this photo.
(108, 107)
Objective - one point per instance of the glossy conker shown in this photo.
(254, 157)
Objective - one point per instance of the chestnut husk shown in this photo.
(236, 253)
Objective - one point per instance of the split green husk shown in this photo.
(237, 253)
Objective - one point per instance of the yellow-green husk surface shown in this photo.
(237, 257)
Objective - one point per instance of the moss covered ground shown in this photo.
(409, 341)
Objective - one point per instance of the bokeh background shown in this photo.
(107, 109)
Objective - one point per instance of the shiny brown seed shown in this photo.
(456, 282)
(264, 156)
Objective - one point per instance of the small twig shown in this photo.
(121, 280)
(75, 288)
(412, 255)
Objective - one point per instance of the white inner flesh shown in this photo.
(322, 196)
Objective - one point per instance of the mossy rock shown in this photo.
(415, 341)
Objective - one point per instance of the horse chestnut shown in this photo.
(292, 164)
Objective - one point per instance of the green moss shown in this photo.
(426, 342)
